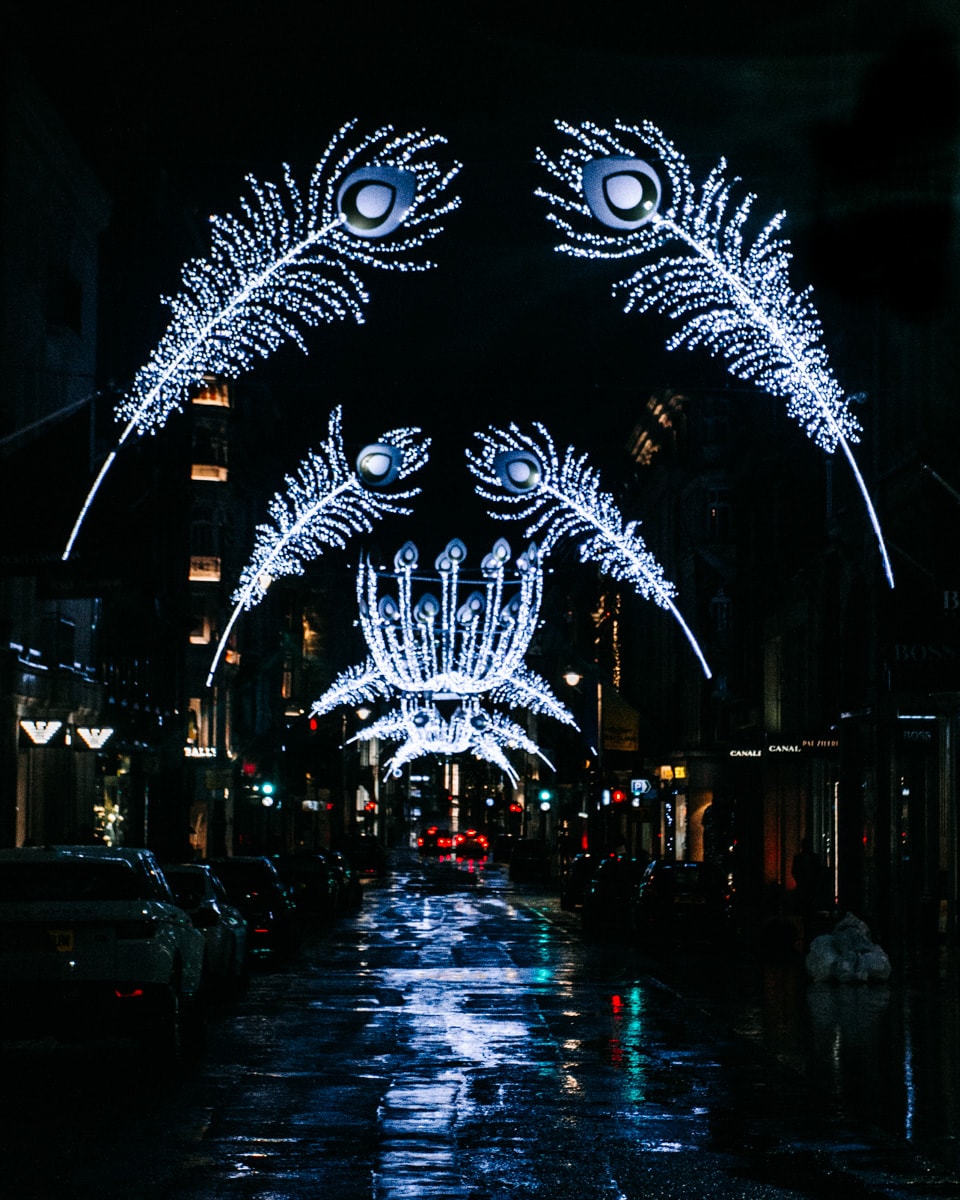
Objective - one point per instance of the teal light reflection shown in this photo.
(627, 1040)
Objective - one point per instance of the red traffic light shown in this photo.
(618, 796)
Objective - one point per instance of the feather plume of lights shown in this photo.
(324, 504)
(288, 264)
(453, 637)
(731, 297)
(421, 729)
(523, 478)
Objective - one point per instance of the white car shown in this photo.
(93, 946)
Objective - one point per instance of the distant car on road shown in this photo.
(471, 844)
(435, 840)
(91, 938)
(529, 862)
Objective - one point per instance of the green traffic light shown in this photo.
(267, 789)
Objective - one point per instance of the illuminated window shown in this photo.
(209, 458)
(719, 514)
(204, 548)
(215, 393)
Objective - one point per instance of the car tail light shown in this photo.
(128, 991)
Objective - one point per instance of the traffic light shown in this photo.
(618, 796)
(545, 796)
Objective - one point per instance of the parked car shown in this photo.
(348, 879)
(682, 900)
(254, 885)
(529, 862)
(502, 848)
(311, 882)
(574, 879)
(226, 963)
(368, 856)
(93, 943)
(606, 910)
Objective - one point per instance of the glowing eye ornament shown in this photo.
(378, 465)
(518, 470)
(373, 201)
(622, 193)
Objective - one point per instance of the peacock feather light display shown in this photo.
(628, 194)
(452, 638)
(419, 729)
(325, 503)
(524, 478)
(291, 261)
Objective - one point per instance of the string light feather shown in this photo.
(449, 638)
(421, 729)
(324, 504)
(727, 294)
(288, 264)
(523, 478)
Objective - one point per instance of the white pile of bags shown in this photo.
(847, 955)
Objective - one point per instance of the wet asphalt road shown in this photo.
(459, 1039)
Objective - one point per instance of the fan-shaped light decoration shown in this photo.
(288, 263)
(523, 477)
(628, 194)
(421, 729)
(449, 636)
(324, 504)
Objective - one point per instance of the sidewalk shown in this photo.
(888, 1053)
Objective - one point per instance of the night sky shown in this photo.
(820, 108)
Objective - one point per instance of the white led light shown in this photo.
(287, 265)
(324, 503)
(566, 502)
(730, 296)
(449, 638)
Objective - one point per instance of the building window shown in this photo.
(720, 612)
(215, 393)
(209, 458)
(719, 514)
(204, 549)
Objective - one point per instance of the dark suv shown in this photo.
(682, 900)
(253, 885)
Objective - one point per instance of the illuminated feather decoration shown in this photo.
(421, 729)
(326, 503)
(453, 638)
(287, 265)
(728, 295)
(523, 477)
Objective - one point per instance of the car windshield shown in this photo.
(71, 880)
(249, 877)
(188, 886)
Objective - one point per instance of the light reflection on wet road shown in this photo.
(462, 1041)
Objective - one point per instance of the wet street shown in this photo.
(459, 1039)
